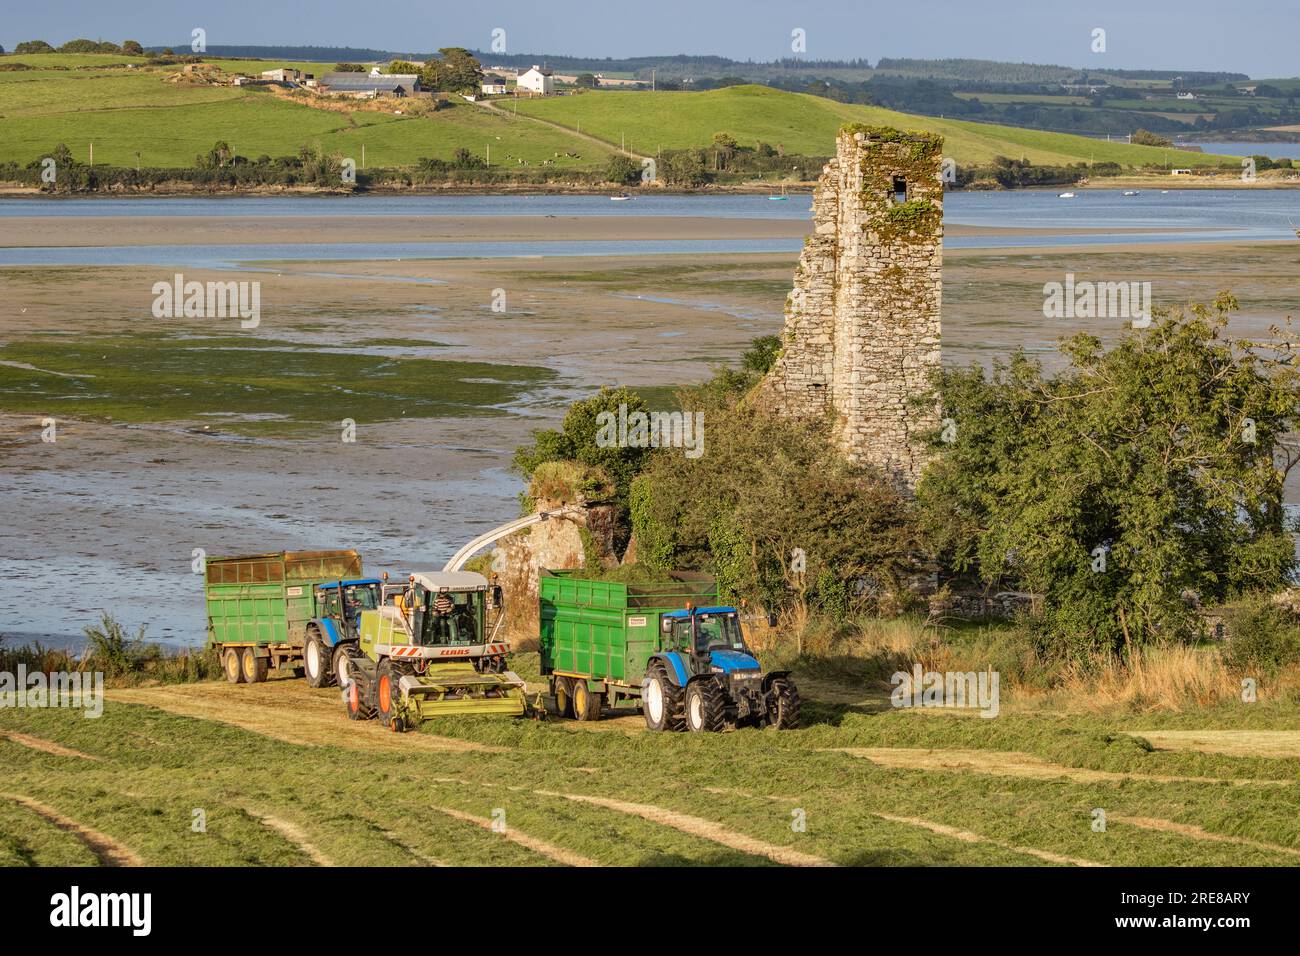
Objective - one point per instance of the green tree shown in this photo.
(405, 67)
(1144, 137)
(33, 46)
(454, 70)
(623, 170)
(1123, 486)
(132, 48)
(580, 439)
(586, 81)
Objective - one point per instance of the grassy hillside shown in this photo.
(807, 124)
(139, 117)
(144, 116)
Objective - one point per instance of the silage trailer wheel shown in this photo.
(564, 696)
(586, 705)
(252, 667)
(232, 666)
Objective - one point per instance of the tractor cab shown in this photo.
(709, 637)
(343, 602)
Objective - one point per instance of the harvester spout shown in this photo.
(510, 527)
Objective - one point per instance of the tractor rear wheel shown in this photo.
(316, 661)
(231, 666)
(387, 693)
(564, 696)
(662, 701)
(783, 704)
(586, 705)
(706, 706)
(254, 668)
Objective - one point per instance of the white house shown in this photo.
(285, 75)
(537, 80)
(493, 85)
(1187, 96)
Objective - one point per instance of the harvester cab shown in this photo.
(709, 676)
(427, 650)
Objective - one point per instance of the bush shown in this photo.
(111, 650)
(623, 170)
(1262, 637)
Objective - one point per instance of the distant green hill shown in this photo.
(806, 124)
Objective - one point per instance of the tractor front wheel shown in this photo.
(356, 697)
(662, 701)
(230, 665)
(315, 659)
(254, 668)
(342, 665)
(783, 704)
(387, 693)
(706, 706)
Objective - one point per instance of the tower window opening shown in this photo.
(900, 189)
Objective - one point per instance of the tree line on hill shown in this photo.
(126, 47)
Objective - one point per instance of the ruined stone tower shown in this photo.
(862, 323)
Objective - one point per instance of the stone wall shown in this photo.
(862, 323)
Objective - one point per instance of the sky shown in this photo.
(1256, 39)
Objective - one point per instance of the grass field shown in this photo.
(137, 117)
(807, 124)
(284, 778)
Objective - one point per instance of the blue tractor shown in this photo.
(704, 677)
(336, 626)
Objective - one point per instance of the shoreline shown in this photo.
(18, 191)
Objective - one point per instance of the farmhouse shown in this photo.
(284, 75)
(360, 86)
(493, 85)
(537, 80)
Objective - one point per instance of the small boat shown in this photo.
(1131, 192)
(780, 197)
(1065, 196)
(623, 198)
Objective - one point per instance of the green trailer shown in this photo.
(668, 645)
(259, 606)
